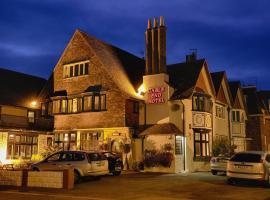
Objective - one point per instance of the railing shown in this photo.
(201, 120)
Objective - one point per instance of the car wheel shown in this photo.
(77, 177)
(214, 172)
(116, 173)
(231, 181)
(35, 169)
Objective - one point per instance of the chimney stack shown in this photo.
(155, 47)
(155, 38)
(162, 46)
(148, 41)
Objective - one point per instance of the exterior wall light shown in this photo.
(34, 104)
(141, 90)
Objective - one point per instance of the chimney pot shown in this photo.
(161, 21)
(149, 24)
(155, 23)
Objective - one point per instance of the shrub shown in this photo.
(154, 158)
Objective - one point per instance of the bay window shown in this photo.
(201, 102)
(201, 145)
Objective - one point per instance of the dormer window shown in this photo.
(76, 69)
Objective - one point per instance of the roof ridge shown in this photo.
(21, 73)
(106, 43)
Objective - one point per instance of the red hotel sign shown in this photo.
(155, 95)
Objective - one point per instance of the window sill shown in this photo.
(93, 111)
(74, 77)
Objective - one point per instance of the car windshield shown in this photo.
(246, 157)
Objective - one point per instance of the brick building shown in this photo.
(23, 132)
(94, 101)
(258, 124)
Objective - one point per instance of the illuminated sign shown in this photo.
(155, 95)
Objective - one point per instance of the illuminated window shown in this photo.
(31, 116)
(70, 105)
(56, 106)
(74, 105)
(64, 106)
(66, 141)
(76, 69)
(21, 146)
(201, 145)
(43, 109)
(87, 100)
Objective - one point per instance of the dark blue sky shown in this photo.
(232, 35)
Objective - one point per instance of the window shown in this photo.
(79, 157)
(87, 100)
(220, 111)
(76, 69)
(63, 105)
(31, 116)
(70, 105)
(200, 102)
(178, 145)
(236, 116)
(66, 157)
(21, 146)
(74, 105)
(54, 157)
(79, 105)
(135, 107)
(50, 106)
(201, 145)
(56, 106)
(91, 141)
(103, 102)
(66, 141)
(99, 102)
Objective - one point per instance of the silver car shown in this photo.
(219, 164)
(84, 163)
(250, 165)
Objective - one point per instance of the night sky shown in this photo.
(232, 35)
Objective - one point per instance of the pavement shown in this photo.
(149, 186)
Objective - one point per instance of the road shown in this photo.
(151, 187)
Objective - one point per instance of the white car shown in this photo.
(84, 163)
(219, 164)
(250, 165)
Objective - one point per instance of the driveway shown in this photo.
(150, 186)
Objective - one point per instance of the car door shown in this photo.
(99, 163)
(51, 163)
(66, 160)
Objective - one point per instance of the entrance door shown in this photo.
(179, 154)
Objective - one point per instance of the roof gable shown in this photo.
(184, 78)
(18, 89)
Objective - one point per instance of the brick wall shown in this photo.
(253, 131)
(78, 50)
(10, 178)
(132, 118)
(45, 179)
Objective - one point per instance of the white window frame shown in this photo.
(67, 69)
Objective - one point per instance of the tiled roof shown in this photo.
(184, 76)
(19, 89)
(157, 129)
(234, 86)
(217, 79)
(254, 103)
(119, 63)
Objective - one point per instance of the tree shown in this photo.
(222, 146)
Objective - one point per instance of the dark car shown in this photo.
(115, 163)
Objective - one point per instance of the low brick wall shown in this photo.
(11, 178)
(44, 179)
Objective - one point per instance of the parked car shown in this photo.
(219, 164)
(250, 165)
(84, 163)
(115, 162)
